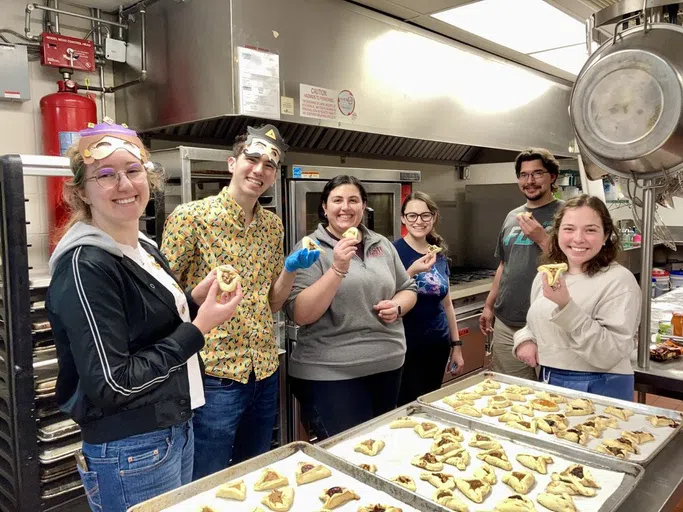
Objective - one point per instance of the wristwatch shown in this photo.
(400, 311)
(456, 343)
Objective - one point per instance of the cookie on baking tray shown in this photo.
(514, 397)
(453, 431)
(370, 468)
(270, 479)
(486, 473)
(473, 488)
(405, 481)
(538, 463)
(483, 441)
(550, 426)
(454, 403)
(496, 458)
(525, 425)
(427, 461)
(279, 500)
(557, 502)
(370, 447)
(519, 481)
(524, 410)
(468, 396)
(615, 451)
(515, 503)
(574, 435)
(481, 390)
(426, 429)
(337, 496)
(619, 412)
(623, 443)
(377, 507)
(575, 409)
(553, 397)
(522, 390)
(544, 405)
(468, 410)
(571, 488)
(459, 458)
(576, 473)
(499, 401)
(661, 421)
(490, 384)
(307, 472)
(591, 427)
(510, 416)
(604, 421)
(403, 422)
(439, 480)
(444, 444)
(235, 490)
(638, 436)
(493, 411)
(448, 499)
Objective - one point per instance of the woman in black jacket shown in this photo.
(127, 336)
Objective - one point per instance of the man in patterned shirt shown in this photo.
(240, 356)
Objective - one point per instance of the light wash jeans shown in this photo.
(613, 385)
(134, 469)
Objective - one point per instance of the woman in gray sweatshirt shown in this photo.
(346, 366)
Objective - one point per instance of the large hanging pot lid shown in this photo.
(630, 106)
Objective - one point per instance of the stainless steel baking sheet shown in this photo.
(619, 478)
(58, 430)
(637, 422)
(188, 496)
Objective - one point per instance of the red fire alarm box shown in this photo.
(67, 52)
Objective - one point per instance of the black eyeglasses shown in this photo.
(425, 216)
(523, 176)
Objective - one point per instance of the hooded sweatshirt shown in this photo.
(349, 340)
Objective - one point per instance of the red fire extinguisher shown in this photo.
(64, 114)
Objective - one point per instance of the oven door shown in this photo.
(384, 203)
(473, 344)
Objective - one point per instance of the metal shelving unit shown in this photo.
(37, 441)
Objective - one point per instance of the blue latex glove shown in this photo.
(303, 258)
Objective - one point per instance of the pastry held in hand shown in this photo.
(337, 496)
(427, 461)
(619, 412)
(307, 473)
(405, 481)
(571, 488)
(519, 481)
(553, 271)
(370, 468)
(434, 249)
(638, 436)
(515, 503)
(538, 463)
(426, 429)
(448, 499)
(483, 441)
(270, 479)
(352, 233)
(439, 480)
(486, 473)
(496, 458)
(661, 421)
(308, 243)
(403, 422)
(370, 447)
(235, 490)
(279, 500)
(227, 278)
(557, 503)
(473, 488)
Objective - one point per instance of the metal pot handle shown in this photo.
(632, 17)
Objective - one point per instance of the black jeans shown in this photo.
(423, 370)
(332, 406)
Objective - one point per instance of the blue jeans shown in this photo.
(614, 385)
(235, 424)
(137, 468)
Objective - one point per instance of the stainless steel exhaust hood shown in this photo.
(416, 95)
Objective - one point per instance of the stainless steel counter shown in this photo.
(661, 488)
(664, 379)
(458, 291)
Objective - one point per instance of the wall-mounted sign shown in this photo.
(329, 104)
(259, 82)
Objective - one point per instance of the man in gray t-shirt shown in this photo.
(521, 242)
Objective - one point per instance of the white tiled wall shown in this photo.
(20, 123)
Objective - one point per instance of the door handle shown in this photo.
(371, 218)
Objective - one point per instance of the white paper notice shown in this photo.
(259, 75)
(317, 102)
(287, 105)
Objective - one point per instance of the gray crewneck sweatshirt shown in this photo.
(350, 340)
